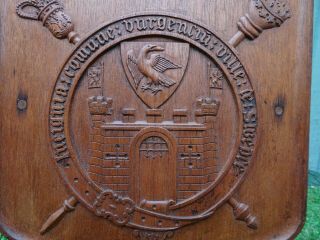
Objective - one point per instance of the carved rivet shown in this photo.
(22, 104)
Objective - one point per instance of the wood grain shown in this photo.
(278, 63)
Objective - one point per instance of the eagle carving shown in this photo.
(152, 67)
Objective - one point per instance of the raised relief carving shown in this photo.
(207, 106)
(274, 12)
(155, 70)
(241, 212)
(263, 14)
(132, 146)
(95, 76)
(154, 148)
(99, 105)
(216, 77)
(117, 209)
(154, 166)
(68, 206)
(151, 66)
(51, 14)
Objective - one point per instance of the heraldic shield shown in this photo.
(152, 71)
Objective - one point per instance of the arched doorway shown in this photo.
(153, 157)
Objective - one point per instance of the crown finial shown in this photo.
(52, 15)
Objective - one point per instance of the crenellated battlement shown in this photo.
(99, 105)
(207, 107)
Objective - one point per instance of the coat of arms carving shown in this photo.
(159, 144)
(153, 118)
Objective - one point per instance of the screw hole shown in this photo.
(279, 110)
(22, 104)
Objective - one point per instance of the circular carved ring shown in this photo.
(124, 210)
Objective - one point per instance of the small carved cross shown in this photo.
(190, 156)
(117, 157)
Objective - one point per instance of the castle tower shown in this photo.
(206, 113)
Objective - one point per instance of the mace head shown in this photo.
(269, 13)
(50, 12)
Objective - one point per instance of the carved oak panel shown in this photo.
(157, 124)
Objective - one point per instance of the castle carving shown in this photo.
(194, 162)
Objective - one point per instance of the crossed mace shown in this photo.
(262, 15)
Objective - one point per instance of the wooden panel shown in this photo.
(154, 119)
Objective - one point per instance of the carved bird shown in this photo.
(152, 68)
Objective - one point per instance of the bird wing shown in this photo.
(166, 81)
(133, 68)
(162, 64)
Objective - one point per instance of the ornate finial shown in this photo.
(263, 14)
(241, 212)
(207, 106)
(68, 206)
(51, 13)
